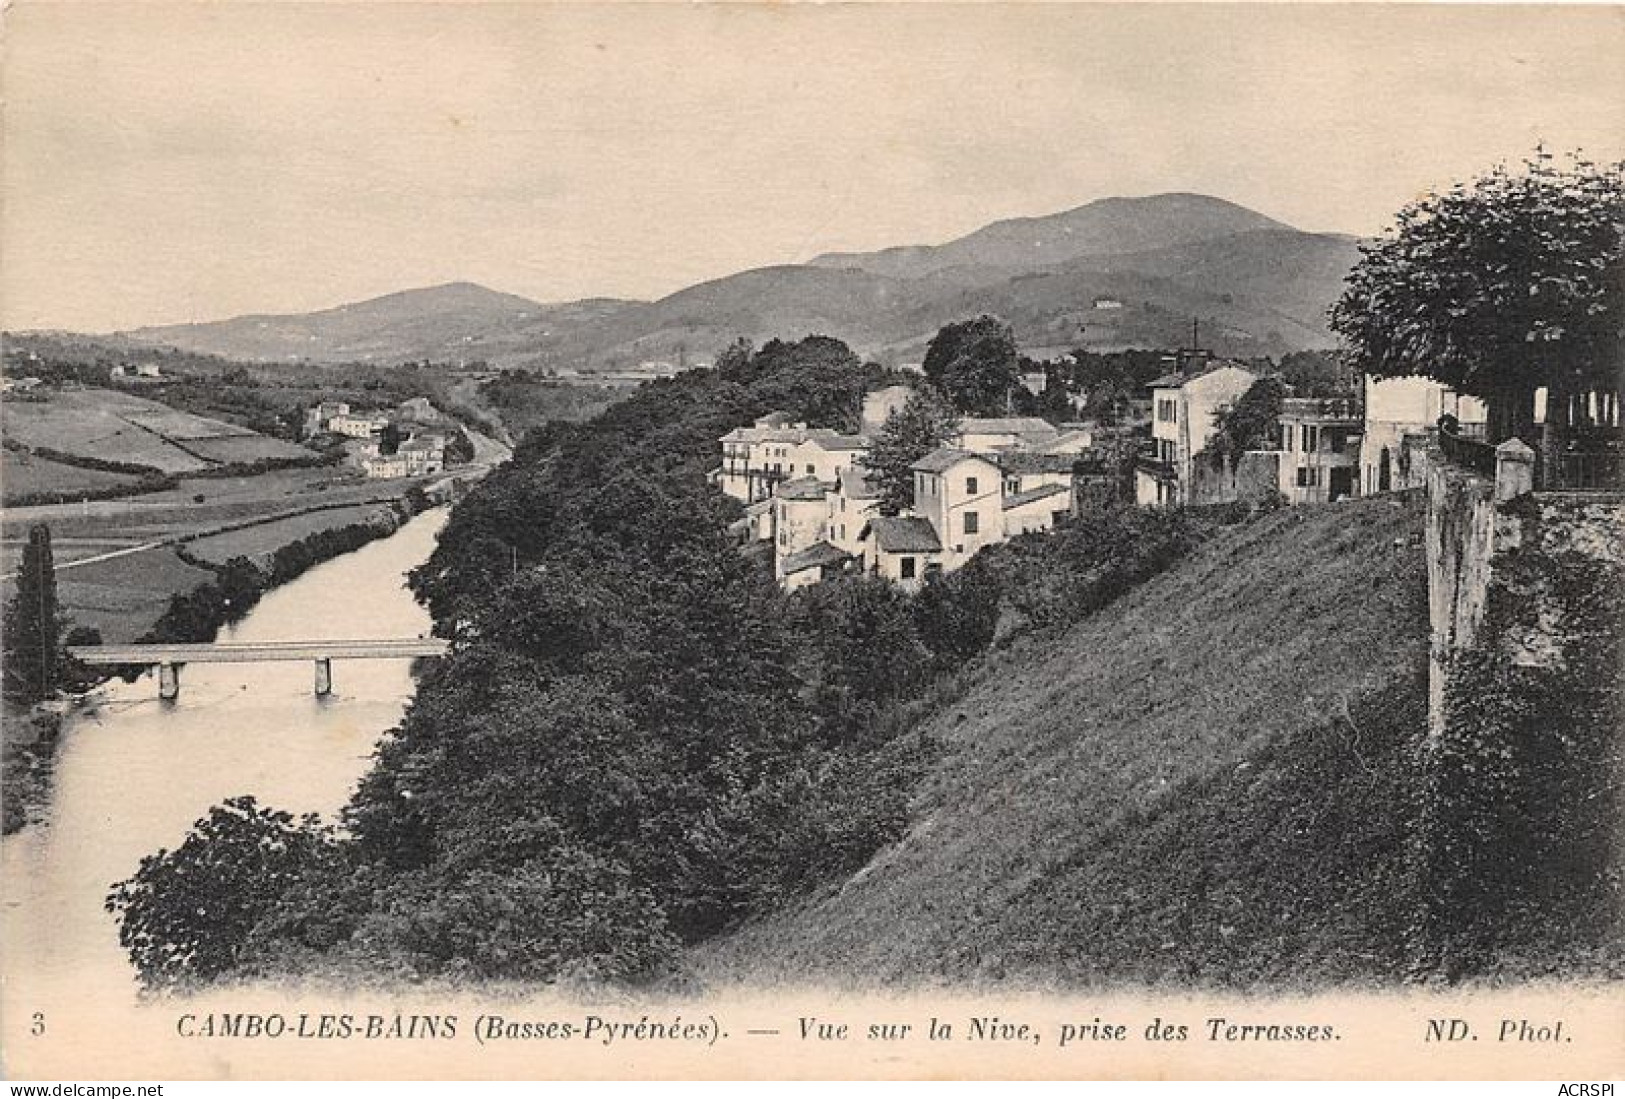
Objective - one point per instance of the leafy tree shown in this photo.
(390, 439)
(865, 651)
(1498, 287)
(976, 365)
(733, 361)
(33, 624)
(185, 915)
(922, 425)
(1318, 374)
(1252, 423)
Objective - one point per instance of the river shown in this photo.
(133, 773)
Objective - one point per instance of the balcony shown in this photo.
(1327, 410)
(1154, 466)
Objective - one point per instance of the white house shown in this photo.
(1397, 407)
(823, 453)
(756, 458)
(1035, 509)
(961, 495)
(799, 516)
(902, 549)
(1183, 409)
(359, 425)
(319, 416)
(384, 466)
(983, 435)
(854, 502)
(424, 455)
(817, 562)
(1319, 449)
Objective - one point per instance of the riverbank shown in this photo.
(27, 756)
(197, 614)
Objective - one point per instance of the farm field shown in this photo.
(27, 474)
(263, 539)
(178, 511)
(123, 597)
(232, 449)
(119, 427)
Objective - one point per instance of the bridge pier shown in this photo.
(324, 677)
(169, 682)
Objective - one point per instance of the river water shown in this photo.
(134, 774)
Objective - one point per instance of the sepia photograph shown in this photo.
(812, 541)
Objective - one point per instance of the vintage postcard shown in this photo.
(793, 540)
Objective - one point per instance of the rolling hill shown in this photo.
(1109, 226)
(437, 322)
(1179, 789)
(1120, 272)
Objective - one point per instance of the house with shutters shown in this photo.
(808, 494)
(1319, 449)
(1183, 407)
(756, 458)
(962, 496)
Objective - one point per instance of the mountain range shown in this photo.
(1118, 272)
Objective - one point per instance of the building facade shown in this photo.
(1319, 449)
(1183, 407)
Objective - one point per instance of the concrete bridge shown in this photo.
(170, 658)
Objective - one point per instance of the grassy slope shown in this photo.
(1202, 782)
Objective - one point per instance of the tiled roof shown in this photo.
(1176, 379)
(1084, 436)
(944, 458)
(802, 488)
(903, 535)
(834, 440)
(856, 485)
(817, 555)
(765, 435)
(1022, 498)
(1010, 425)
(1027, 461)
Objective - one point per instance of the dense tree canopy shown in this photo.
(637, 740)
(976, 365)
(33, 624)
(1499, 286)
(1251, 423)
(909, 434)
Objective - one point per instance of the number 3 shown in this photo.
(39, 1024)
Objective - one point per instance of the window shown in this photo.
(905, 568)
(1308, 476)
(1311, 438)
(971, 522)
(970, 486)
(809, 469)
(1167, 410)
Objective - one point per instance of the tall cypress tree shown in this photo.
(32, 623)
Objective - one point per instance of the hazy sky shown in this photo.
(188, 162)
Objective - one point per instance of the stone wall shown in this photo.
(1460, 545)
